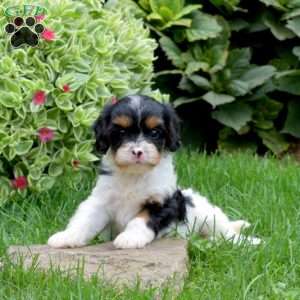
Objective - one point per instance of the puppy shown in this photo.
(137, 187)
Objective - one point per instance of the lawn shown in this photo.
(264, 191)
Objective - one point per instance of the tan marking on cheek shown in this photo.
(155, 200)
(119, 163)
(154, 154)
(144, 214)
(118, 159)
(123, 121)
(155, 160)
(153, 121)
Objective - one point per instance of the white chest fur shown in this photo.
(127, 192)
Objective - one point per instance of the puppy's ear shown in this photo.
(101, 131)
(172, 123)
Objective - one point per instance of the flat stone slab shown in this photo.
(158, 263)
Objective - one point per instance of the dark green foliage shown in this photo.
(241, 57)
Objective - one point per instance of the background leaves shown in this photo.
(233, 69)
(73, 76)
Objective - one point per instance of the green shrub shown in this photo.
(51, 94)
(241, 57)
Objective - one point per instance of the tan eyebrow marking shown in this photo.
(153, 121)
(123, 121)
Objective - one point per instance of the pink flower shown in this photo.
(39, 98)
(66, 88)
(20, 183)
(114, 100)
(40, 18)
(46, 134)
(48, 35)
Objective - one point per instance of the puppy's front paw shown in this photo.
(65, 239)
(130, 240)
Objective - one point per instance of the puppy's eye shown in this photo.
(154, 133)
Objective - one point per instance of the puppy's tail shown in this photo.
(210, 221)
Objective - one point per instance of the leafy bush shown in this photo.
(241, 57)
(51, 94)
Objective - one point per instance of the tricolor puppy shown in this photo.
(137, 190)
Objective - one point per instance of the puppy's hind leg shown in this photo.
(210, 221)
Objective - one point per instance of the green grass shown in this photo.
(264, 191)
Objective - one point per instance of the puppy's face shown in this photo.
(137, 130)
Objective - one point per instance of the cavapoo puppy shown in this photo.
(137, 187)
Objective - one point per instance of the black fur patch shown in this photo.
(173, 210)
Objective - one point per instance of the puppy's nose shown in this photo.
(138, 152)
